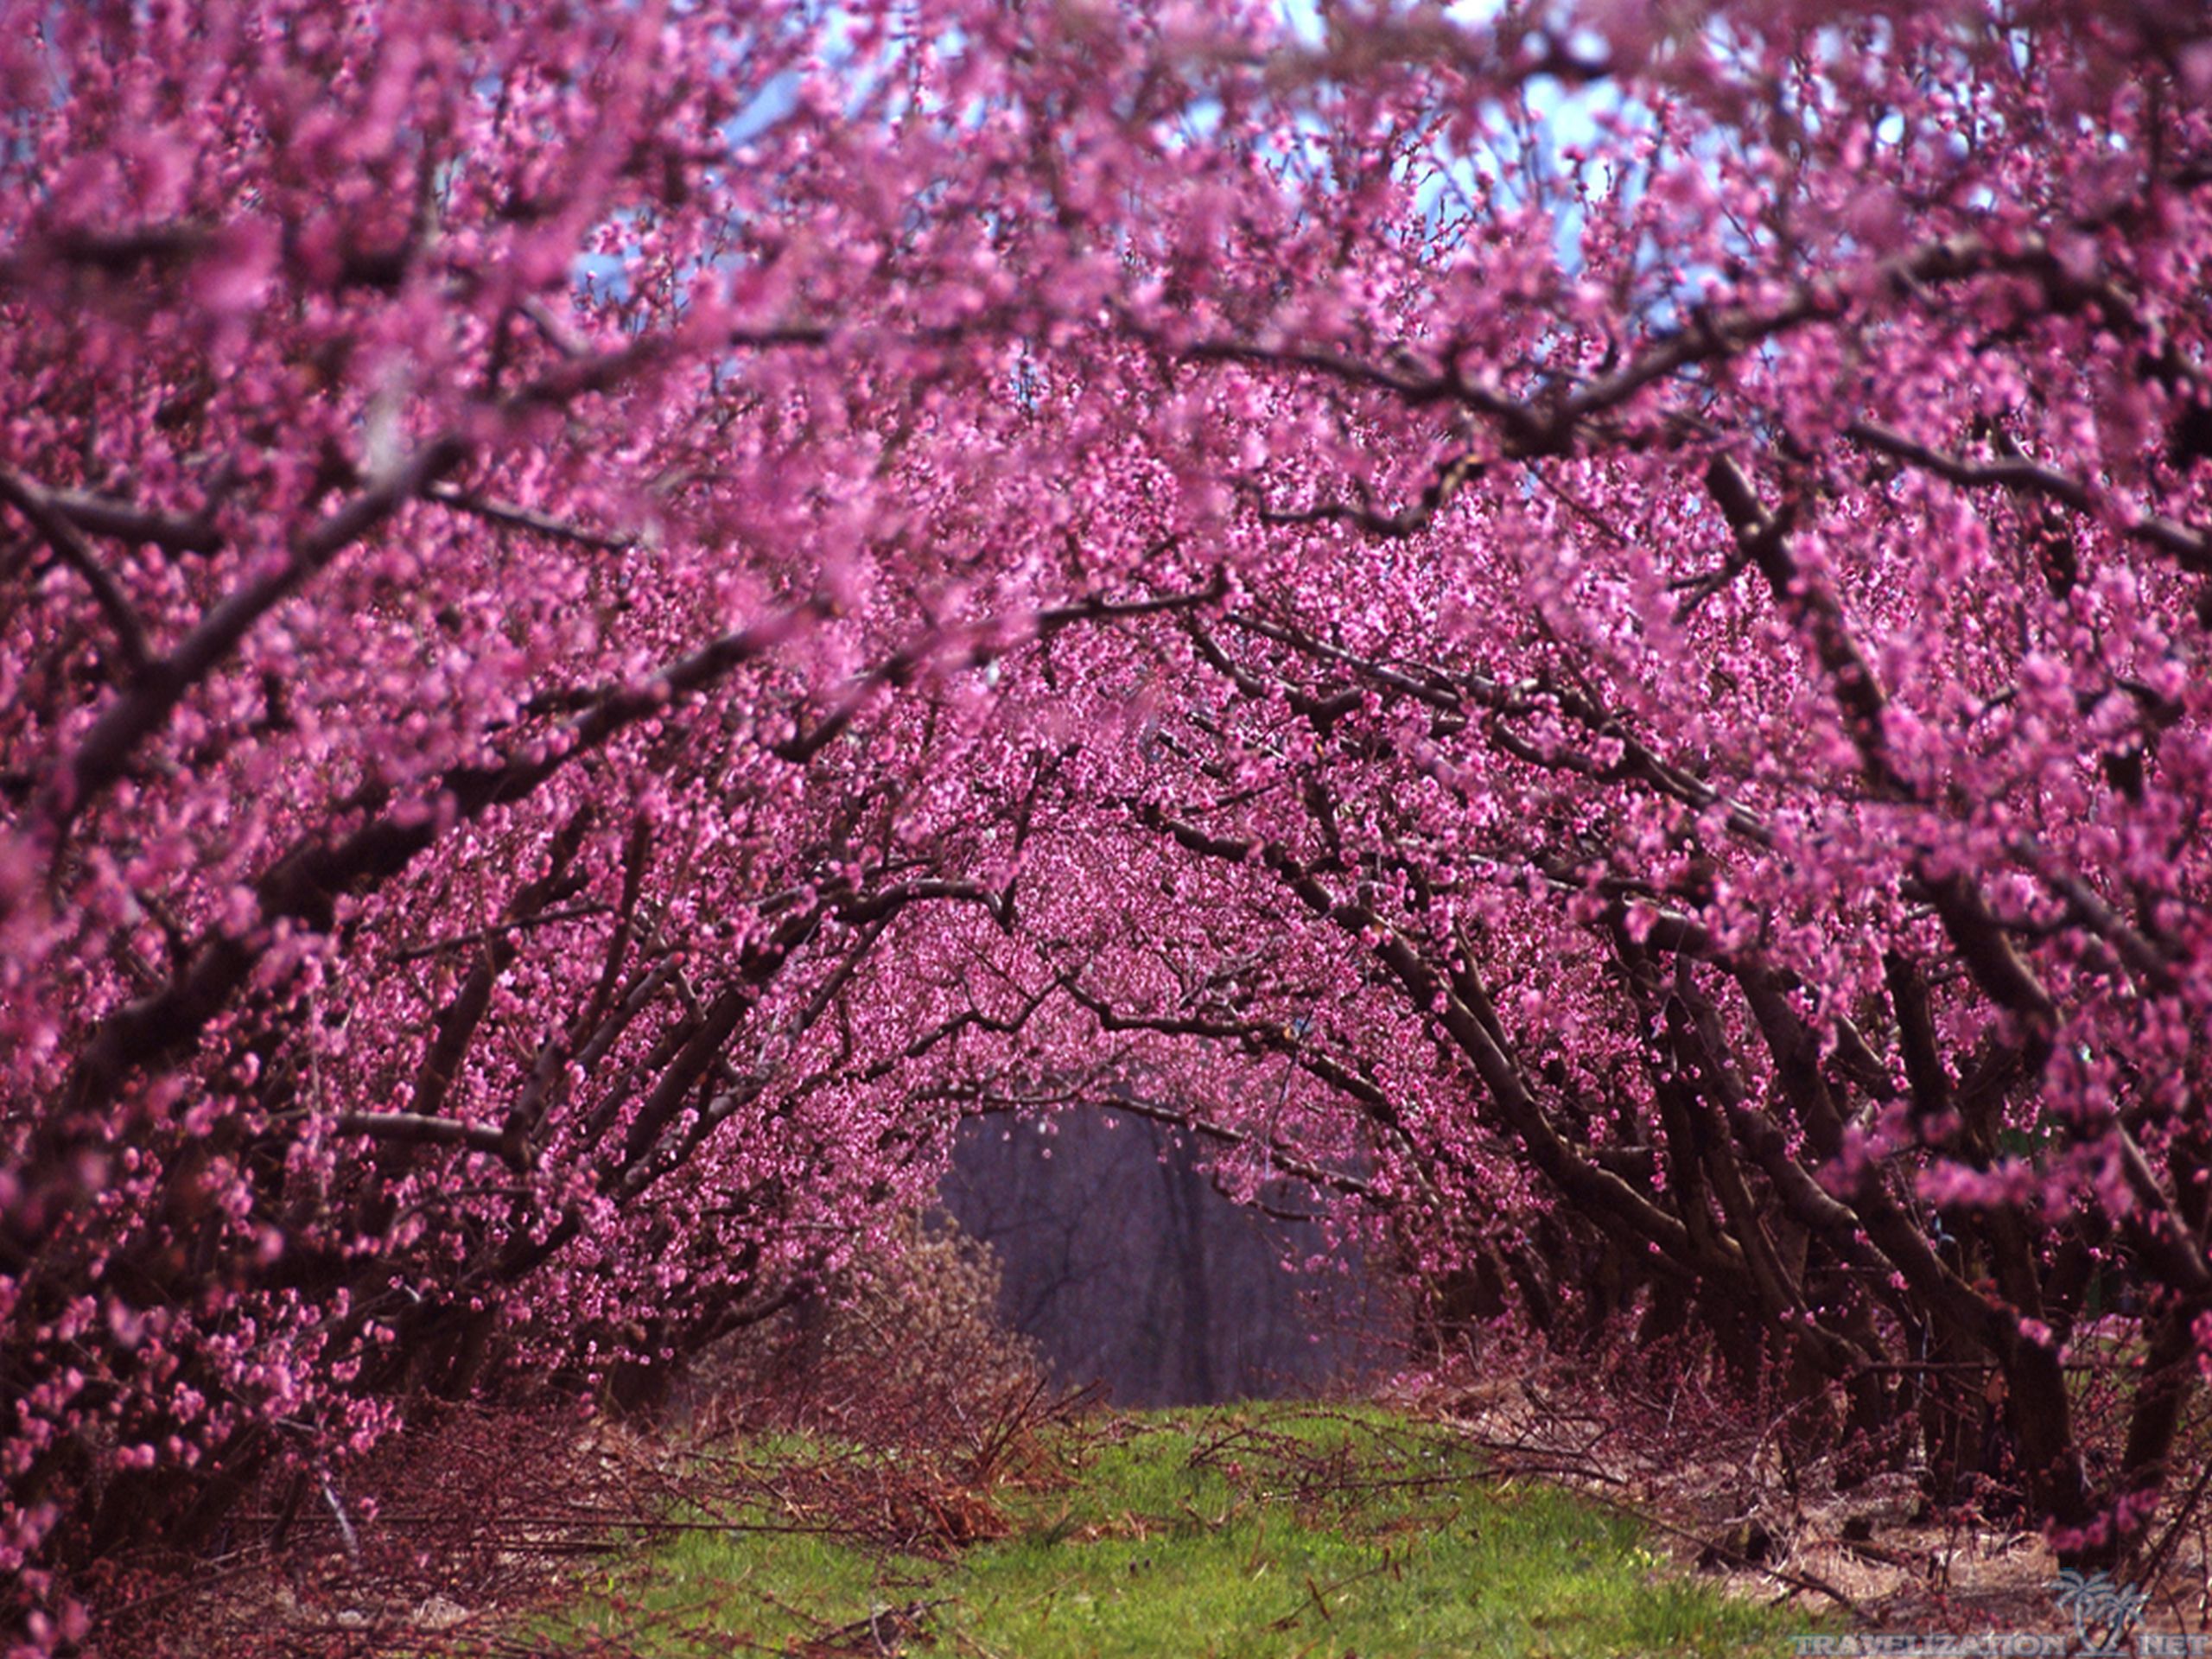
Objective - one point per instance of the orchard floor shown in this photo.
(1248, 1530)
(1515, 1517)
(1715, 1490)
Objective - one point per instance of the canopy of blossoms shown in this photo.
(1580, 635)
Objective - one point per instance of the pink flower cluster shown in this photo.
(1580, 645)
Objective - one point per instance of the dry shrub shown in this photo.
(430, 1545)
(910, 1358)
(924, 1402)
(909, 1351)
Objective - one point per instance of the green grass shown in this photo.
(1253, 1530)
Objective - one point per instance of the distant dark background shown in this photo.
(1127, 1267)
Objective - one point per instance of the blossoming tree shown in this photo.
(612, 615)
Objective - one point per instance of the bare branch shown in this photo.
(410, 1127)
(480, 935)
(514, 517)
(45, 516)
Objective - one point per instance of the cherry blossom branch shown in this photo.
(1839, 1224)
(60, 531)
(145, 706)
(1998, 968)
(155, 691)
(1461, 694)
(1266, 1037)
(1601, 1194)
(2191, 550)
(976, 645)
(1548, 424)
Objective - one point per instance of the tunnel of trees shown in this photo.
(1578, 637)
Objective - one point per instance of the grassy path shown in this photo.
(1253, 1530)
